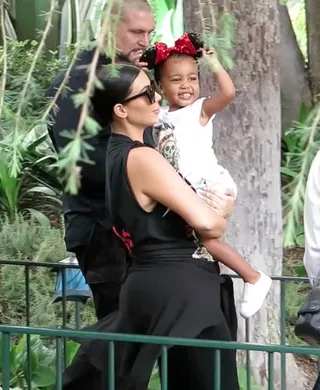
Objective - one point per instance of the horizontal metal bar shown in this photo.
(5, 363)
(133, 338)
(38, 264)
(66, 265)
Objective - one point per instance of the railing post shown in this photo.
(270, 370)
(5, 361)
(77, 315)
(283, 357)
(111, 366)
(164, 368)
(217, 369)
(28, 346)
(59, 363)
(64, 314)
(248, 374)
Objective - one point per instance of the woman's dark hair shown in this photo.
(116, 85)
(151, 54)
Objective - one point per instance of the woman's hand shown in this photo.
(221, 203)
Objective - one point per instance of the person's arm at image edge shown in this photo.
(312, 222)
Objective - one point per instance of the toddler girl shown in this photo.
(184, 138)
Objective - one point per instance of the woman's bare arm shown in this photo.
(151, 175)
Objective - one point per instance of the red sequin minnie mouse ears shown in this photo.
(182, 45)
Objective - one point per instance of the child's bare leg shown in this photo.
(257, 283)
(226, 255)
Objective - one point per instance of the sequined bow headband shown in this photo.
(182, 45)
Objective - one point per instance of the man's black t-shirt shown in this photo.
(82, 211)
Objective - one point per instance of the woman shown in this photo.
(167, 292)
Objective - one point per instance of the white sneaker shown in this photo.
(254, 295)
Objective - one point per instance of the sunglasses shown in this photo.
(150, 93)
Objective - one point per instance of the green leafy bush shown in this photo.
(19, 56)
(43, 363)
(28, 182)
(36, 188)
(26, 239)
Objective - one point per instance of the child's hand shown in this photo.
(221, 203)
(210, 55)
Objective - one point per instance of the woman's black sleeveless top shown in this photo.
(160, 230)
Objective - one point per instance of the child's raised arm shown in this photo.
(226, 91)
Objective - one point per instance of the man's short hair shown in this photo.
(123, 5)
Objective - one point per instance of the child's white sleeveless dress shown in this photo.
(188, 146)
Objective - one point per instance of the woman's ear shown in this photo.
(120, 111)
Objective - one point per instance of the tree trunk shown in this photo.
(247, 142)
(313, 32)
(295, 87)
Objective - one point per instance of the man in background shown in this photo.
(101, 255)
